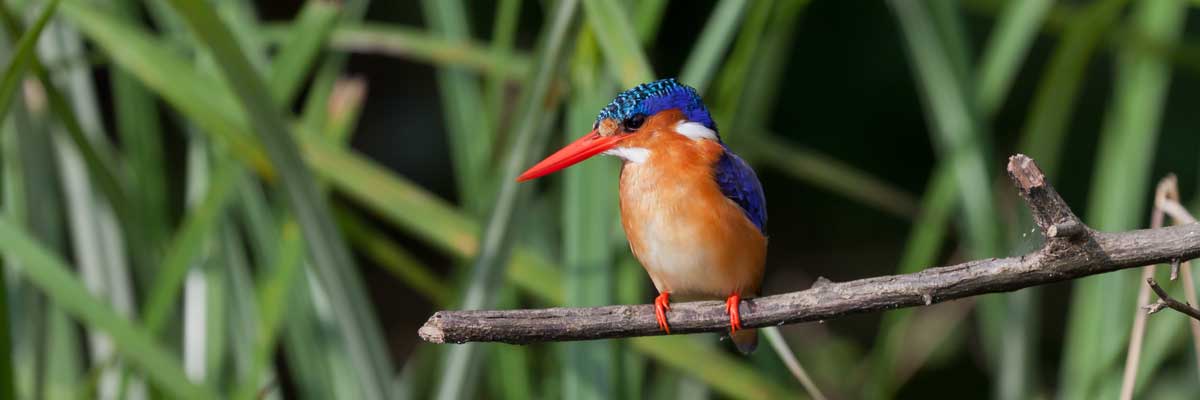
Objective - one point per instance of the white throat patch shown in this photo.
(636, 155)
(695, 130)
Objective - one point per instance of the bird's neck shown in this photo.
(681, 169)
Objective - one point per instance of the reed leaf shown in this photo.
(415, 44)
(299, 52)
(331, 69)
(836, 176)
(393, 258)
(273, 292)
(1007, 45)
(301, 336)
(618, 41)
(330, 256)
(925, 239)
(588, 208)
(203, 99)
(1096, 335)
(702, 63)
(137, 121)
(51, 275)
(187, 246)
(22, 57)
(504, 30)
(496, 240)
(471, 134)
(1053, 103)
(7, 388)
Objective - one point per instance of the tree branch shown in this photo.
(1074, 251)
(1165, 300)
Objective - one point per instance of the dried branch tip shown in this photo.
(1065, 230)
(1166, 299)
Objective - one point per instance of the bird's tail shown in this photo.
(746, 340)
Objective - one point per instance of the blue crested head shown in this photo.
(650, 98)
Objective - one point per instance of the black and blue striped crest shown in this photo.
(650, 98)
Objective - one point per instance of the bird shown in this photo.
(693, 211)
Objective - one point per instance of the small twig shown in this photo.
(1065, 230)
(1169, 201)
(1058, 260)
(1137, 334)
(1171, 302)
(1189, 293)
(1169, 204)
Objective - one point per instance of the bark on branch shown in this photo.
(1073, 250)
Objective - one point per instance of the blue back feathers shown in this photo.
(739, 183)
(650, 98)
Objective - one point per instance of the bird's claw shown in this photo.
(731, 308)
(661, 306)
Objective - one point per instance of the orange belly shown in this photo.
(693, 241)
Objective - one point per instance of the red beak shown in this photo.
(581, 149)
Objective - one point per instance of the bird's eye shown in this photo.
(633, 123)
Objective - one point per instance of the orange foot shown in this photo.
(731, 308)
(661, 306)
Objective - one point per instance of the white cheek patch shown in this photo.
(695, 130)
(636, 155)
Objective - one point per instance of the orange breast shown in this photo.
(692, 240)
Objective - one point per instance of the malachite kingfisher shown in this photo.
(693, 211)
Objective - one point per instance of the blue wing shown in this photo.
(739, 183)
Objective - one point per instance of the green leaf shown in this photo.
(186, 247)
(52, 276)
(410, 43)
(206, 101)
(721, 370)
(273, 293)
(303, 341)
(1096, 334)
(823, 171)
(921, 250)
(943, 76)
(618, 41)
(393, 258)
(330, 71)
(137, 122)
(22, 56)
(327, 249)
(7, 389)
(504, 30)
(734, 77)
(343, 106)
(96, 153)
(301, 48)
(1054, 100)
(495, 246)
(956, 130)
(647, 18)
(471, 134)
(1006, 48)
(588, 209)
(711, 45)
(173, 78)
(763, 58)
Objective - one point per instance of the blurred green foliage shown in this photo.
(192, 207)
